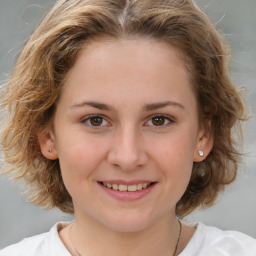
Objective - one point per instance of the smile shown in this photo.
(125, 188)
(127, 191)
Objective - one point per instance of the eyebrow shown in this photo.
(155, 106)
(147, 107)
(94, 104)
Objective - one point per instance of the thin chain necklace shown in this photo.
(71, 240)
(175, 250)
(178, 239)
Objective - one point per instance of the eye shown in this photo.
(95, 121)
(159, 121)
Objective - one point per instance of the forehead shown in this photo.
(138, 48)
(125, 66)
(135, 55)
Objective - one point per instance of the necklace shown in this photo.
(178, 239)
(71, 240)
(175, 250)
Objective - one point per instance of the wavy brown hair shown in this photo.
(35, 84)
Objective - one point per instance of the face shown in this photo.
(126, 133)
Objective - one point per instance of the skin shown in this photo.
(131, 77)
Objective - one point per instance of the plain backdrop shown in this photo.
(235, 209)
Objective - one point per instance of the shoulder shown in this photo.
(212, 241)
(46, 244)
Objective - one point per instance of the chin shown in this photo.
(127, 227)
(129, 222)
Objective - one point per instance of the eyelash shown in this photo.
(90, 117)
(166, 118)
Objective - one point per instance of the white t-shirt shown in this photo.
(206, 241)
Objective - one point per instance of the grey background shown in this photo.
(236, 208)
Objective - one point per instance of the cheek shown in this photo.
(174, 155)
(177, 147)
(81, 157)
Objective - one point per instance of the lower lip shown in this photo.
(128, 196)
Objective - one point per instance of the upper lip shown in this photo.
(125, 182)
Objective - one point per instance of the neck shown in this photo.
(92, 238)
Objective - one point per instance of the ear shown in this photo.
(204, 145)
(47, 144)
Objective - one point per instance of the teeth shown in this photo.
(125, 188)
(115, 186)
(122, 187)
(144, 185)
(139, 187)
(132, 188)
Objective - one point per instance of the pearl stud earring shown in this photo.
(201, 153)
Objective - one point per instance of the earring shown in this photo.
(50, 150)
(201, 153)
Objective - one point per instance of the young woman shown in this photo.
(121, 112)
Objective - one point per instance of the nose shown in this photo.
(127, 151)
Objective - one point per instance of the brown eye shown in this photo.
(96, 120)
(158, 120)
